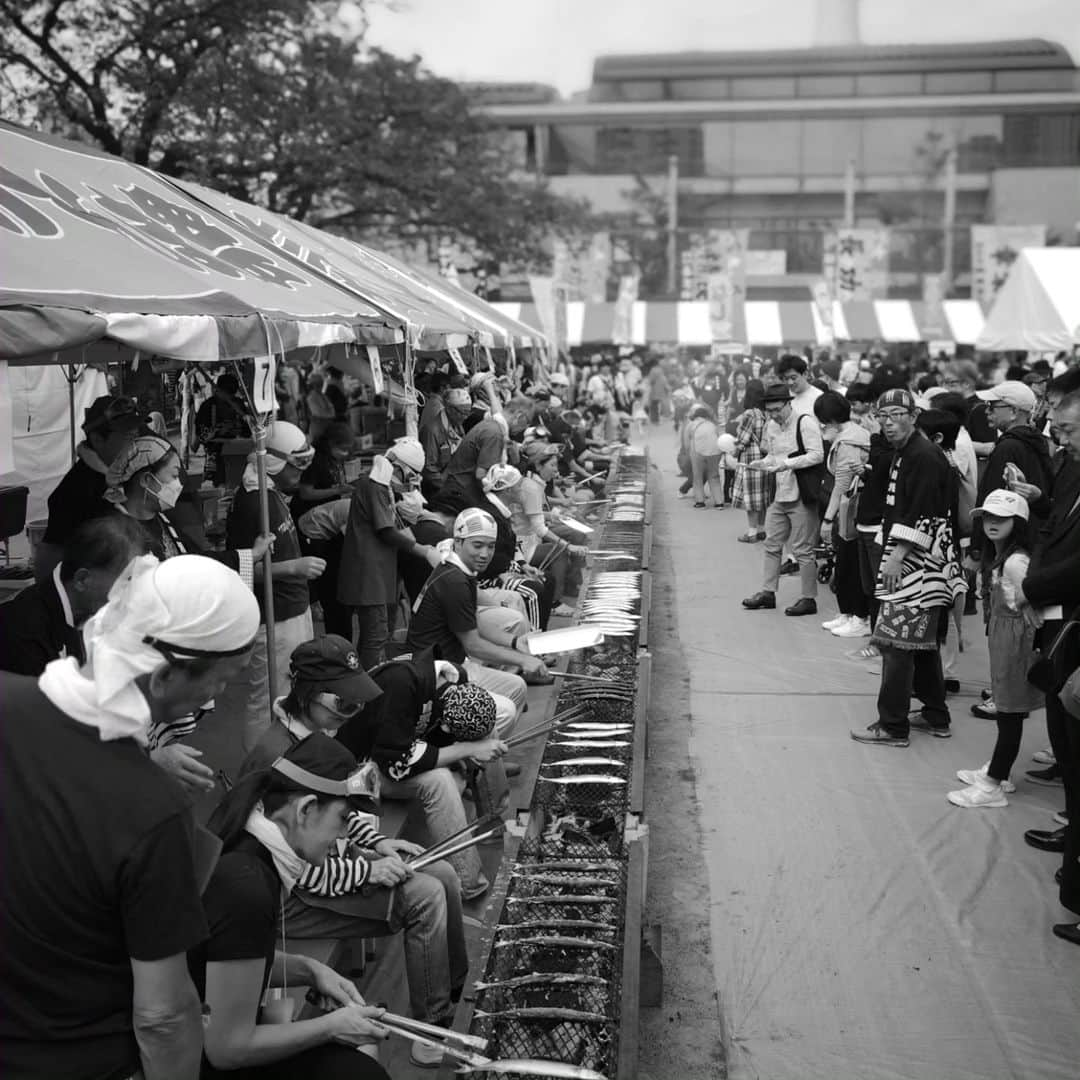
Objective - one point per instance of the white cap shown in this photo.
(286, 444)
(473, 523)
(1002, 503)
(408, 452)
(1017, 394)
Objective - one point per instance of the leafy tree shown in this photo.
(277, 103)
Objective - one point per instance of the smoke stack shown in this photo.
(837, 22)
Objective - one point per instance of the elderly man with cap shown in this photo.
(288, 454)
(109, 424)
(100, 898)
(440, 434)
(374, 537)
(918, 579)
(365, 888)
(794, 444)
(484, 445)
(425, 730)
(445, 620)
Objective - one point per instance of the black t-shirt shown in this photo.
(242, 902)
(447, 608)
(323, 472)
(98, 869)
(79, 497)
(338, 400)
(242, 530)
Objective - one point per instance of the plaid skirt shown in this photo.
(753, 489)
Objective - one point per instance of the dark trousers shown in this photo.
(1010, 727)
(331, 1061)
(337, 617)
(851, 598)
(905, 672)
(869, 561)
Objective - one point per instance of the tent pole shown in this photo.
(412, 417)
(71, 408)
(259, 431)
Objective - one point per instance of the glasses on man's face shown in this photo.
(775, 411)
(338, 705)
(894, 414)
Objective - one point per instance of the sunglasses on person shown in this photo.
(362, 783)
(336, 704)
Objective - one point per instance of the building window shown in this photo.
(887, 85)
(766, 148)
(640, 90)
(699, 89)
(1013, 81)
(977, 139)
(571, 150)
(646, 150)
(762, 88)
(959, 82)
(897, 145)
(826, 86)
(828, 144)
(1041, 139)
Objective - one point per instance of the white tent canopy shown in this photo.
(1038, 308)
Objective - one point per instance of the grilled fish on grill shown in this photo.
(542, 978)
(544, 1013)
(550, 901)
(534, 1067)
(583, 778)
(554, 941)
(557, 924)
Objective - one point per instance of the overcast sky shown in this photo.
(556, 41)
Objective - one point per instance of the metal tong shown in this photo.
(557, 721)
(464, 838)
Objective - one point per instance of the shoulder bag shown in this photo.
(811, 480)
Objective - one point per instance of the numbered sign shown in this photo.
(377, 380)
(459, 362)
(263, 396)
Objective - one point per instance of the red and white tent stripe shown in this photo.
(769, 322)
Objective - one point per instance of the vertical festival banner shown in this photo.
(622, 330)
(856, 263)
(543, 295)
(994, 249)
(822, 295)
(596, 265)
(933, 325)
(725, 283)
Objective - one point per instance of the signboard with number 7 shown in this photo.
(263, 396)
(377, 381)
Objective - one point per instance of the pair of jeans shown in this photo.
(508, 690)
(426, 908)
(247, 696)
(796, 524)
(437, 793)
(850, 597)
(372, 633)
(905, 672)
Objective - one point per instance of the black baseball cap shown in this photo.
(332, 663)
(777, 392)
(116, 413)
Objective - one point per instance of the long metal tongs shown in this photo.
(436, 851)
(557, 721)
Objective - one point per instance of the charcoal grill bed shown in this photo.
(580, 826)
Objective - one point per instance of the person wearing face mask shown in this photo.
(110, 423)
(102, 864)
(374, 537)
(247, 698)
(44, 622)
(274, 825)
(143, 483)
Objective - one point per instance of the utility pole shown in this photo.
(949, 221)
(673, 225)
(849, 194)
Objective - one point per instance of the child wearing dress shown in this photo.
(1005, 524)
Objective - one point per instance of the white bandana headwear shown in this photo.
(288, 864)
(193, 604)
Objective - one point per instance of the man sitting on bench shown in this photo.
(367, 889)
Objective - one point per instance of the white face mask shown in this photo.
(168, 493)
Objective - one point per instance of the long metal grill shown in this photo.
(552, 984)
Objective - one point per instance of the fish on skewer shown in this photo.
(583, 778)
(560, 900)
(592, 744)
(542, 978)
(557, 1070)
(544, 1012)
(588, 866)
(558, 924)
(576, 881)
(581, 762)
(554, 941)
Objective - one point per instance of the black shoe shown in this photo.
(760, 600)
(920, 723)
(952, 686)
(1068, 932)
(1050, 777)
(1046, 840)
(876, 735)
(803, 606)
(699, 506)
(790, 566)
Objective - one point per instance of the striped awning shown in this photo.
(770, 322)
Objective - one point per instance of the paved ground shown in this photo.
(825, 911)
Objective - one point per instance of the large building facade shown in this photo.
(774, 141)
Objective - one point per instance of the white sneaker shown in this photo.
(978, 795)
(982, 776)
(1044, 757)
(854, 627)
(833, 623)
